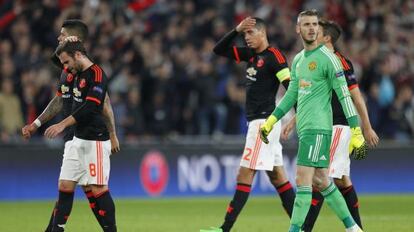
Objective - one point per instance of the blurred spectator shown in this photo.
(11, 120)
(165, 80)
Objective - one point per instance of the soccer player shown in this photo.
(267, 68)
(75, 30)
(87, 161)
(316, 71)
(339, 167)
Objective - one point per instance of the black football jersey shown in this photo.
(65, 89)
(338, 114)
(262, 81)
(90, 86)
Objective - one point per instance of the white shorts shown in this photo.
(340, 162)
(258, 155)
(86, 162)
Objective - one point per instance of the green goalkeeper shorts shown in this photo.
(314, 150)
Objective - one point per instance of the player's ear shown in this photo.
(297, 29)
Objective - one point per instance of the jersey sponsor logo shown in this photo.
(260, 63)
(251, 72)
(64, 89)
(82, 83)
(304, 83)
(154, 173)
(339, 74)
(97, 89)
(312, 65)
(76, 92)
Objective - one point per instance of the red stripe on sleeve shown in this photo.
(352, 87)
(94, 100)
(278, 55)
(236, 54)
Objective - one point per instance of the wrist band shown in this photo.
(37, 122)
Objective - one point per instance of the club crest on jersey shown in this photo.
(260, 63)
(69, 78)
(312, 65)
(82, 83)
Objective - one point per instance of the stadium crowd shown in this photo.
(164, 78)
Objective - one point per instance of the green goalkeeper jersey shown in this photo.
(314, 74)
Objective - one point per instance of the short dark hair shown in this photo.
(260, 23)
(71, 48)
(76, 27)
(312, 12)
(331, 29)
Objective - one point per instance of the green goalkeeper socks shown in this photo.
(301, 207)
(337, 203)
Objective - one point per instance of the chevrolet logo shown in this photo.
(64, 89)
(304, 84)
(76, 92)
(251, 71)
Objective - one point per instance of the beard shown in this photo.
(308, 41)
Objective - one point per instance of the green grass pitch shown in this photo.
(393, 213)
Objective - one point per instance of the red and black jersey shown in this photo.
(338, 114)
(89, 92)
(65, 89)
(262, 74)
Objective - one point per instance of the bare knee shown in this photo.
(277, 176)
(66, 186)
(99, 189)
(320, 179)
(345, 182)
(245, 175)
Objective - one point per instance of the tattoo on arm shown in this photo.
(108, 114)
(51, 110)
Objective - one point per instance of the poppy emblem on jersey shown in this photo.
(69, 78)
(82, 83)
(312, 65)
(260, 63)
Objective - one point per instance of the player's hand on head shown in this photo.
(371, 137)
(358, 147)
(247, 23)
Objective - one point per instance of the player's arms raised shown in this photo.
(370, 136)
(51, 110)
(109, 119)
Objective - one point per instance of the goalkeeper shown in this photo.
(315, 72)
(339, 167)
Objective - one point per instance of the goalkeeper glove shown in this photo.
(267, 127)
(357, 146)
